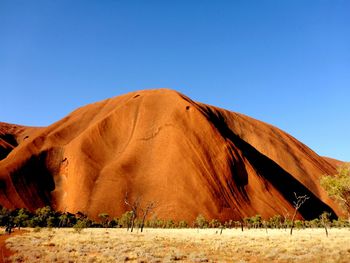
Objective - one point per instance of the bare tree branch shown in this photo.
(299, 201)
(134, 206)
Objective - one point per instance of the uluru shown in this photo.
(160, 146)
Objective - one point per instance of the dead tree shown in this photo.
(134, 206)
(299, 201)
(221, 229)
(242, 224)
(137, 209)
(145, 211)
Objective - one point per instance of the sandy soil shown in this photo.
(183, 245)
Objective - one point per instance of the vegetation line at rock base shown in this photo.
(47, 217)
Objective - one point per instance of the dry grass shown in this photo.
(184, 245)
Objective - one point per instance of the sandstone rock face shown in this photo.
(160, 146)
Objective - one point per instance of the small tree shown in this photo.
(256, 221)
(169, 224)
(81, 224)
(104, 219)
(298, 224)
(299, 201)
(125, 220)
(324, 217)
(114, 222)
(314, 223)
(214, 223)
(43, 214)
(341, 222)
(275, 221)
(137, 209)
(21, 217)
(51, 221)
(338, 186)
(153, 222)
(145, 211)
(247, 222)
(9, 223)
(201, 222)
(66, 220)
(182, 224)
(134, 206)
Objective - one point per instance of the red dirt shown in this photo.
(4, 251)
(188, 157)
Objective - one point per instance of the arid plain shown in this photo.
(159, 149)
(182, 245)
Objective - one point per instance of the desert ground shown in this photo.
(183, 245)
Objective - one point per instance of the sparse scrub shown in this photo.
(46, 217)
(160, 245)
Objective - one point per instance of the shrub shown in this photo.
(214, 223)
(81, 224)
(113, 223)
(298, 224)
(21, 217)
(256, 221)
(182, 224)
(125, 219)
(104, 219)
(314, 223)
(275, 221)
(51, 221)
(42, 214)
(66, 220)
(341, 222)
(201, 222)
(169, 224)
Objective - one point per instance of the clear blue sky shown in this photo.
(284, 62)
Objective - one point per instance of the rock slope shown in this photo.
(160, 146)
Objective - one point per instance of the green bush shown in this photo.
(104, 219)
(201, 222)
(169, 224)
(299, 224)
(81, 224)
(275, 221)
(256, 221)
(182, 224)
(47, 217)
(125, 219)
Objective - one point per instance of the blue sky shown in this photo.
(284, 62)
